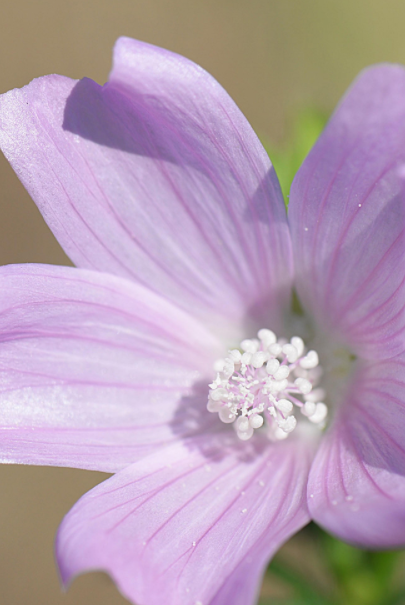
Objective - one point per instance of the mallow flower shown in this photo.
(239, 372)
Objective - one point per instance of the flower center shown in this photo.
(261, 385)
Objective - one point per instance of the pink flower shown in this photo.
(160, 192)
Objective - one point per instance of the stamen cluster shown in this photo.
(260, 384)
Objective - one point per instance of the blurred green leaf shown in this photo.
(395, 599)
(363, 577)
(293, 601)
(305, 591)
(288, 157)
(352, 576)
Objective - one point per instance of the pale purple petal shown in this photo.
(158, 177)
(357, 482)
(181, 526)
(347, 213)
(94, 370)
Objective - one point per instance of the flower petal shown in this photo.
(181, 525)
(347, 214)
(357, 482)
(157, 176)
(94, 370)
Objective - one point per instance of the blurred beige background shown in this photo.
(273, 56)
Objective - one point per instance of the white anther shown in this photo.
(282, 372)
(235, 355)
(310, 360)
(219, 365)
(285, 406)
(249, 345)
(267, 337)
(290, 352)
(288, 425)
(246, 357)
(303, 385)
(276, 386)
(215, 383)
(256, 421)
(279, 434)
(229, 368)
(298, 343)
(245, 435)
(275, 349)
(316, 395)
(320, 413)
(272, 366)
(214, 406)
(226, 415)
(309, 408)
(258, 359)
(242, 424)
(272, 411)
(219, 394)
